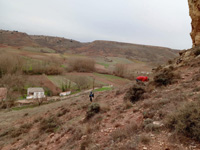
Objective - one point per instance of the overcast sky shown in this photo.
(150, 22)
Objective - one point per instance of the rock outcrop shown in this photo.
(194, 6)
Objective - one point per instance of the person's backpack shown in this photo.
(91, 94)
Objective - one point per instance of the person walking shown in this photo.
(91, 96)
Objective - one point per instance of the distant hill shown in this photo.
(15, 38)
(57, 43)
(134, 51)
(153, 54)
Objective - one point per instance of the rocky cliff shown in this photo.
(194, 6)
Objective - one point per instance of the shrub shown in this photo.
(148, 121)
(120, 70)
(149, 113)
(134, 93)
(47, 68)
(49, 125)
(15, 132)
(145, 139)
(82, 82)
(197, 51)
(196, 77)
(151, 127)
(96, 119)
(81, 64)
(186, 120)
(127, 105)
(85, 143)
(10, 64)
(165, 77)
(104, 107)
(131, 144)
(92, 110)
(15, 85)
(62, 112)
(118, 135)
(126, 132)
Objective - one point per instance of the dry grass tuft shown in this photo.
(126, 132)
(62, 112)
(16, 132)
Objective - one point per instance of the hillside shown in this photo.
(56, 43)
(15, 38)
(132, 51)
(150, 54)
(119, 125)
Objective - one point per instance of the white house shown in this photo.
(35, 93)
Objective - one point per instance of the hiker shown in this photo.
(91, 96)
(142, 78)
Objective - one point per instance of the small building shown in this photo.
(35, 93)
(65, 93)
(3, 94)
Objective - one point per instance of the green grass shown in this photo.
(32, 105)
(75, 92)
(103, 64)
(109, 76)
(25, 107)
(103, 89)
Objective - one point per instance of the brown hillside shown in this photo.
(145, 53)
(56, 43)
(15, 38)
(134, 51)
(119, 125)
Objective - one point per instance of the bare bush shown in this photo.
(43, 68)
(81, 64)
(49, 125)
(165, 77)
(92, 110)
(145, 139)
(186, 120)
(121, 70)
(197, 51)
(15, 85)
(10, 64)
(82, 82)
(125, 132)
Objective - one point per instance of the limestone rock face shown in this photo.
(194, 7)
